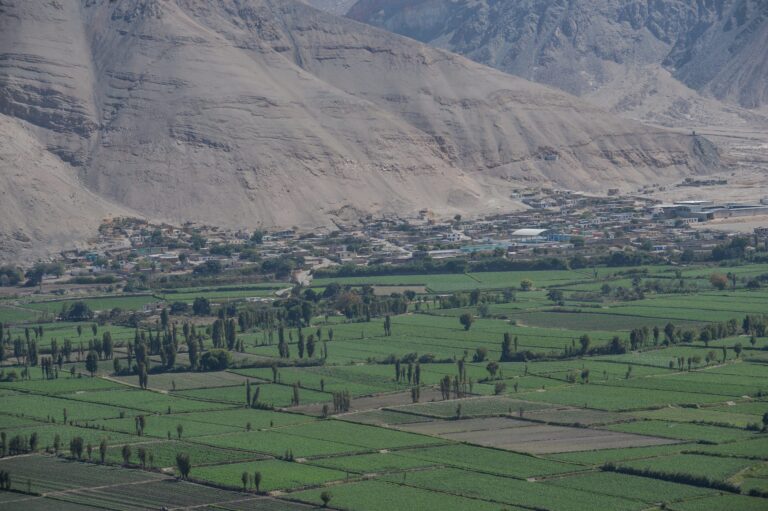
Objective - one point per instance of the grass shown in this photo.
(372, 463)
(147, 401)
(47, 407)
(699, 465)
(507, 491)
(755, 447)
(626, 486)
(383, 496)
(476, 407)
(722, 503)
(276, 443)
(276, 475)
(48, 473)
(376, 468)
(63, 385)
(606, 397)
(106, 303)
(719, 416)
(164, 453)
(602, 456)
(269, 394)
(493, 461)
(683, 431)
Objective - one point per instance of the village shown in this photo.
(556, 224)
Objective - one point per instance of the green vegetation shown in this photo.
(398, 397)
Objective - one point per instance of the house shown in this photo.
(529, 235)
(456, 236)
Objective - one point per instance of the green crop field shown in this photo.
(531, 432)
(683, 431)
(714, 468)
(508, 491)
(276, 475)
(602, 456)
(493, 461)
(383, 496)
(645, 489)
(373, 463)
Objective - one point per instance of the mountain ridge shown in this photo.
(256, 113)
(639, 51)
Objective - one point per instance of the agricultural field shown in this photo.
(415, 410)
(698, 465)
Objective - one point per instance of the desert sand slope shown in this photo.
(44, 207)
(651, 59)
(256, 112)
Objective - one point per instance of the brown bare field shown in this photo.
(544, 439)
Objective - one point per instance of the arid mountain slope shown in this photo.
(631, 56)
(338, 7)
(263, 112)
(43, 207)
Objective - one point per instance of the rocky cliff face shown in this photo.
(634, 52)
(248, 113)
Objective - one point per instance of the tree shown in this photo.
(92, 362)
(737, 349)
(492, 368)
(765, 421)
(179, 430)
(126, 453)
(585, 341)
(257, 480)
(244, 480)
(78, 311)
(103, 450)
(718, 281)
(480, 355)
(201, 306)
(526, 284)
(506, 348)
(216, 360)
(669, 333)
(466, 320)
(555, 295)
(142, 453)
(183, 464)
(76, 447)
(140, 423)
(106, 344)
(326, 498)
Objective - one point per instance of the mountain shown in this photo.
(338, 7)
(246, 113)
(43, 207)
(664, 60)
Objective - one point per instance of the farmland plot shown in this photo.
(512, 491)
(383, 496)
(645, 489)
(276, 475)
(543, 439)
(683, 431)
(706, 466)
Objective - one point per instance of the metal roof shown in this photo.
(529, 232)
